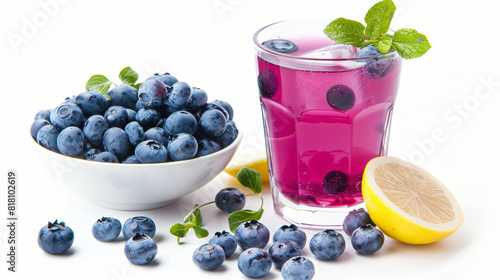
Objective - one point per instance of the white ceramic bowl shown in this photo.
(135, 186)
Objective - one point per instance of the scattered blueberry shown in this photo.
(283, 250)
(91, 103)
(106, 229)
(106, 157)
(180, 122)
(355, 219)
(47, 137)
(117, 116)
(135, 133)
(166, 78)
(182, 146)
(70, 141)
(254, 263)
(335, 182)
(94, 129)
(179, 95)
(213, 123)
(43, 115)
(66, 114)
(207, 146)
(230, 199)
(139, 224)
(268, 83)
(123, 95)
(151, 151)
(152, 93)
(367, 240)
(327, 245)
(226, 106)
(91, 154)
(280, 45)
(229, 135)
(55, 238)
(209, 256)
(140, 249)
(297, 268)
(115, 140)
(291, 232)
(341, 97)
(37, 124)
(198, 99)
(148, 117)
(226, 240)
(366, 52)
(252, 234)
(157, 133)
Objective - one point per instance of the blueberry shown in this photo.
(226, 240)
(179, 95)
(66, 114)
(213, 123)
(55, 238)
(131, 159)
(151, 151)
(166, 78)
(297, 268)
(91, 154)
(117, 116)
(140, 249)
(282, 250)
(230, 199)
(366, 52)
(123, 95)
(139, 224)
(115, 140)
(291, 232)
(138, 106)
(152, 93)
(268, 83)
(335, 182)
(37, 124)
(252, 234)
(91, 102)
(106, 229)
(226, 106)
(207, 146)
(229, 135)
(70, 141)
(209, 256)
(106, 157)
(135, 133)
(43, 115)
(94, 129)
(148, 118)
(182, 146)
(355, 219)
(367, 240)
(280, 45)
(341, 97)
(378, 68)
(47, 137)
(327, 245)
(158, 134)
(130, 114)
(180, 122)
(212, 105)
(198, 99)
(254, 263)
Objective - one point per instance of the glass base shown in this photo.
(310, 217)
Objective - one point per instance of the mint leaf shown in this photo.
(345, 31)
(179, 230)
(251, 179)
(98, 83)
(409, 43)
(384, 44)
(128, 76)
(196, 217)
(238, 217)
(200, 232)
(378, 19)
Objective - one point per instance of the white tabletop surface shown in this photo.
(49, 49)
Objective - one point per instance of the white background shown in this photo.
(453, 91)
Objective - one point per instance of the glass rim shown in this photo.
(294, 57)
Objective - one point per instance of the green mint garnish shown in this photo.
(248, 178)
(101, 83)
(128, 76)
(407, 42)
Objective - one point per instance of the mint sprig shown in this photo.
(101, 83)
(407, 42)
(248, 178)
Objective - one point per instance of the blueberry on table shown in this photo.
(366, 52)
(226, 240)
(209, 256)
(148, 117)
(166, 78)
(268, 83)
(367, 240)
(152, 93)
(297, 268)
(226, 106)
(355, 219)
(135, 133)
(123, 95)
(229, 135)
(43, 115)
(106, 157)
(252, 234)
(70, 141)
(182, 146)
(139, 224)
(55, 238)
(198, 99)
(335, 182)
(151, 151)
(91, 103)
(254, 263)
(281, 45)
(66, 114)
(341, 97)
(180, 122)
(291, 232)
(207, 146)
(94, 129)
(158, 134)
(327, 244)
(37, 124)
(230, 199)
(283, 250)
(140, 249)
(179, 95)
(115, 140)
(106, 229)
(213, 123)
(117, 116)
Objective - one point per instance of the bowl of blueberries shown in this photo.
(137, 148)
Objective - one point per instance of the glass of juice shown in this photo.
(326, 113)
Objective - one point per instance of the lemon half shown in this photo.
(257, 162)
(407, 203)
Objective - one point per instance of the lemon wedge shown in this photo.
(257, 162)
(407, 203)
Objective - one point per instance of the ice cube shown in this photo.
(335, 51)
